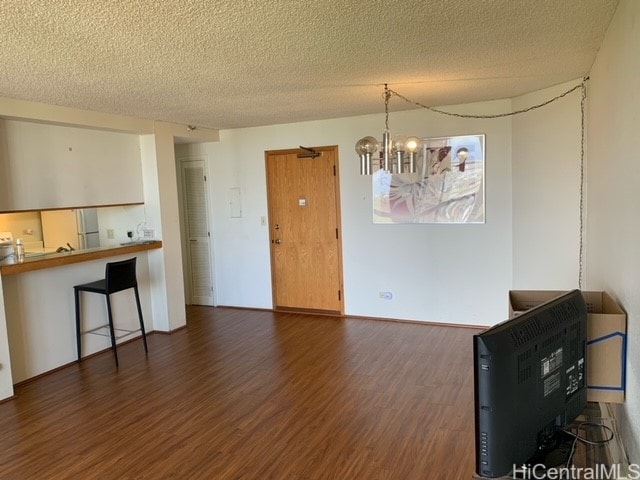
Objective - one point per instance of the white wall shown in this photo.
(613, 250)
(445, 273)
(157, 267)
(51, 166)
(546, 191)
(120, 219)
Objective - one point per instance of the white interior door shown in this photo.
(198, 234)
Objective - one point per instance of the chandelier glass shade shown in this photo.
(396, 154)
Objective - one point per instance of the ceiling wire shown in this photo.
(582, 86)
(495, 115)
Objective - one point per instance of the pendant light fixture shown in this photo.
(397, 155)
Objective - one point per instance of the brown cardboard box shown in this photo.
(606, 340)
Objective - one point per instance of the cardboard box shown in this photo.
(606, 340)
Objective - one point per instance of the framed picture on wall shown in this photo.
(448, 186)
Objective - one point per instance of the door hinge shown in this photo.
(205, 178)
(334, 170)
(339, 295)
(337, 234)
(209, 234)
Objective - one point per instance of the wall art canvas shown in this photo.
(448, 186)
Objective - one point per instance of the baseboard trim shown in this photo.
(235, 307)
(419, 322)
(308, 311)
(170, 332)
(8, 399)
(75, 362)
(358, 317)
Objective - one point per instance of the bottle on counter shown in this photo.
(19, 249)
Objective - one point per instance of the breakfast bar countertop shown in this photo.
(48, 260)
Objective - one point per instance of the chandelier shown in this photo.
(397, 155)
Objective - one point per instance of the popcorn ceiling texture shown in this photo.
(237, 63)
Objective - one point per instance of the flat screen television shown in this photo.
(530, 382)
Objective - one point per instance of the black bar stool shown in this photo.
(118, 276)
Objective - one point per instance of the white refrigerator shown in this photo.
(88, 234)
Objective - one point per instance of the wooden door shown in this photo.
(304, 223)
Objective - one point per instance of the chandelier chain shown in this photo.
(582, 172)
(387, 96)
(495, 115)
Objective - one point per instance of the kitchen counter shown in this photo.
(37, 326)
(38, 261)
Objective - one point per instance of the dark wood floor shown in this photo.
(254, 395)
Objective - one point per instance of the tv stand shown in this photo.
(611, 455)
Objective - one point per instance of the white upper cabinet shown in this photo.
(46, 166)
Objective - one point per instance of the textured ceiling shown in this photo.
(236, 63)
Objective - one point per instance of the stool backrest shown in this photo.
(121, 275)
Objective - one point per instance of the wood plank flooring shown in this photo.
(243, 394)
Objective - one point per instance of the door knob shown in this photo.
(277, 240)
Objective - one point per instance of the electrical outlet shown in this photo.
(148, 232)
(110, 234)
(386, 295)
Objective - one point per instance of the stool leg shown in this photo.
(76, 293)
(144, 335)
(111, 330)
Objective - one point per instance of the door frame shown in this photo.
(336, 176)
(188, 287)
